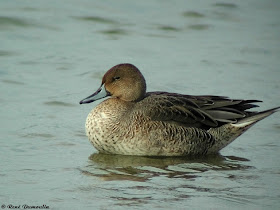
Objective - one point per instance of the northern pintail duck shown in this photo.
(135, 122)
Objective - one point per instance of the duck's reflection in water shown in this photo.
(134, 168)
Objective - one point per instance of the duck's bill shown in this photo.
(100, 93)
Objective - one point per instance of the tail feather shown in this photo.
(251, 120)
(225, 134)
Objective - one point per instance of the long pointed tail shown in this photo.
(225, 134)
(249, 121)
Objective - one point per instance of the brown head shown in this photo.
(123, 81)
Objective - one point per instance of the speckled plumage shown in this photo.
(133, 122)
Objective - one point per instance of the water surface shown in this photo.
(54, 53)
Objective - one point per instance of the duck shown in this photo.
(134, 122)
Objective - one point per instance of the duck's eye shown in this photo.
(116, 78)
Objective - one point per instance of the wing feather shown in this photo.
(195, 111)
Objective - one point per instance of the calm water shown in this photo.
(54, 53)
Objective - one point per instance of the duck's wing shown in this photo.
(195, 111)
